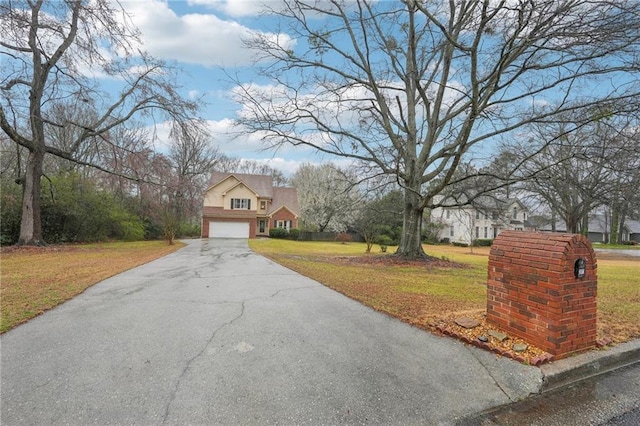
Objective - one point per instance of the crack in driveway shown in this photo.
(196, 356)
(189, 363)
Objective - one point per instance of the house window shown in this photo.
(451, 233)
(477, 214)
(494, 215)
(286, 224)
(240, 204)
(448, 214)
(477, 232)
(495, 232)
(485, 232)
(263, 205)
(515, 213)
(524, 216)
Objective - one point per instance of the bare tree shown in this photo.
(55, 52)
(623, 160)
(574, 173)
(228, 164)
(374, 215)
(193, 158)
(417, 88)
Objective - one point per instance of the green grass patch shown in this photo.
(617, 246)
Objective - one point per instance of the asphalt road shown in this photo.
(619, 252)
(215, 334)
(611, 399)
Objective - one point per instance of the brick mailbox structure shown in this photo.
(542, 288)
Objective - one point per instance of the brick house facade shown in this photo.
(246, 206)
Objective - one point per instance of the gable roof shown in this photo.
(633, 225)
(484, 202)
(261, 185)
(285, 197)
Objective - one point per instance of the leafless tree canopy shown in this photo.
(596, 166)
(417, 88)
(55, 57)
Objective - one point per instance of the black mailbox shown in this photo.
(580, 267)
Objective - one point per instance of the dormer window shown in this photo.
(515, 213)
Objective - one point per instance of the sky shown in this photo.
(204, 38)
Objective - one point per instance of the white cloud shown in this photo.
(235, 8)
(539, 103)
(196, 38)
(250, 147)
(287, 167)
(233, 141)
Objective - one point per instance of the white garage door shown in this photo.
(228, 229)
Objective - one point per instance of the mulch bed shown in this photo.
(531, 355)
(393, 260)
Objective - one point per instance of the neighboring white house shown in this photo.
(483, 220)
(600, 228)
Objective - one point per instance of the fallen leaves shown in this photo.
(494, 339)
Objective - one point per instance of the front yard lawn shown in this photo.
(426, 294)
(422, 294)
(34, 279)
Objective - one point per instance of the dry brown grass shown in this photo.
(428, 295)
(35, 279)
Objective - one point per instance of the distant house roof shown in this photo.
(483, 202)
(598, 223)
(633, 225)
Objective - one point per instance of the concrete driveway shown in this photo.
(215, 334)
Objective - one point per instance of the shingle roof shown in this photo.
(598, 223)
(484, 202)
(287, 197)
(262, 185)
(634, 226)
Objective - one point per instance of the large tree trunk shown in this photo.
(585, 225)
(615, 220)
(622, 220)
(410, 242)
(31, 225)
(573, 223)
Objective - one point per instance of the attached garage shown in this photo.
(219, 229)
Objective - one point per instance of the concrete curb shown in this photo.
(580, 367)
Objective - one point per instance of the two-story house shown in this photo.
(246, 206)
(485, 219)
